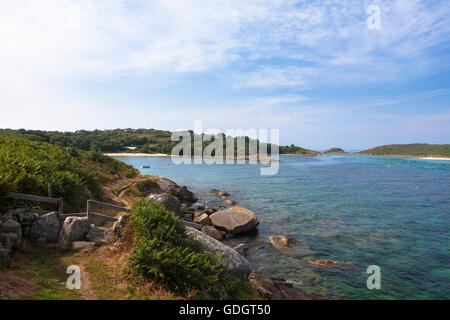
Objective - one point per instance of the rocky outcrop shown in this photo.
(274, 288)
(170, 187)
(290, 246)
(169, 201)
(230, 202)
(74, 229)
(234, 220)
(46, 226)
(238, 265)
(10, 238)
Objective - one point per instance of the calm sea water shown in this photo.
(390, 212)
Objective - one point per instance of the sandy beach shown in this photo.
(433, 158)
(137, 155)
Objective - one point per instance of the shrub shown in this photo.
(29, 166)
(163, 252)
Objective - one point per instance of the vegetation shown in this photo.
(412, 150)
(164, 253)
(292, 149)
(29, 166)
(334, 150)
(144, 140)
(46, 274)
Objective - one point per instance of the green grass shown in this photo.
(164, 253)
(44, 265)
(412, 150)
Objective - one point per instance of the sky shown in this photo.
(353, 74)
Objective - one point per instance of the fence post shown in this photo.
(89, 217)
(60, 206)
(49, 190)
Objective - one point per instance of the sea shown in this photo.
(359, 211)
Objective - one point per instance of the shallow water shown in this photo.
(390, 212)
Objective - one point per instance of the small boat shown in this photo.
(145, 167)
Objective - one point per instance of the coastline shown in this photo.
(402, 156)
(123, 154)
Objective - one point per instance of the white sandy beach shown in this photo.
(433, 158)
(137, 155)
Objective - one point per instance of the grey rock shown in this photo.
(13, 240)
(204, 220)
(242, 249)
(234, 220)
(120, 223)
(11, 226)
(212, 232)
(237, 264)
(74, 229)
(82, 244)
(47, 226)
(100, 234)
(169, 201)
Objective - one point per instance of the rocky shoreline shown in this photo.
(213, 226)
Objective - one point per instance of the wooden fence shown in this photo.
(89, 213)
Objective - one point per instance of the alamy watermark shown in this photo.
(374, 20)
(374, 280)
(235, 146)
(74, 280)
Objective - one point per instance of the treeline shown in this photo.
(117, 140)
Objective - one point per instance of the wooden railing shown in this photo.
(28, 197)
(89, 213)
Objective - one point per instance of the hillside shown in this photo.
(334, 150)
(411, 150)
(294, 150)
(29, 166)
(117, 140)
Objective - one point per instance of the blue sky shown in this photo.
(312, 69)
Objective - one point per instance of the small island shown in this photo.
(334, 151)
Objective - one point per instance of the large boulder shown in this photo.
(238, 265)
(290, 246)
(74, 229)
(46, 226)
(186, 196)
(169, 201)
(234, 220)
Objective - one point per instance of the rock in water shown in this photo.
(170, 202)
(273, 288)
(74, 229)
(238, 265)
(230, 202)
(290, 245)
(234, 220)
(47, 226)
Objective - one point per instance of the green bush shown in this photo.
(164, 253)
(29, 166)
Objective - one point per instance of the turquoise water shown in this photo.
(390, 212)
